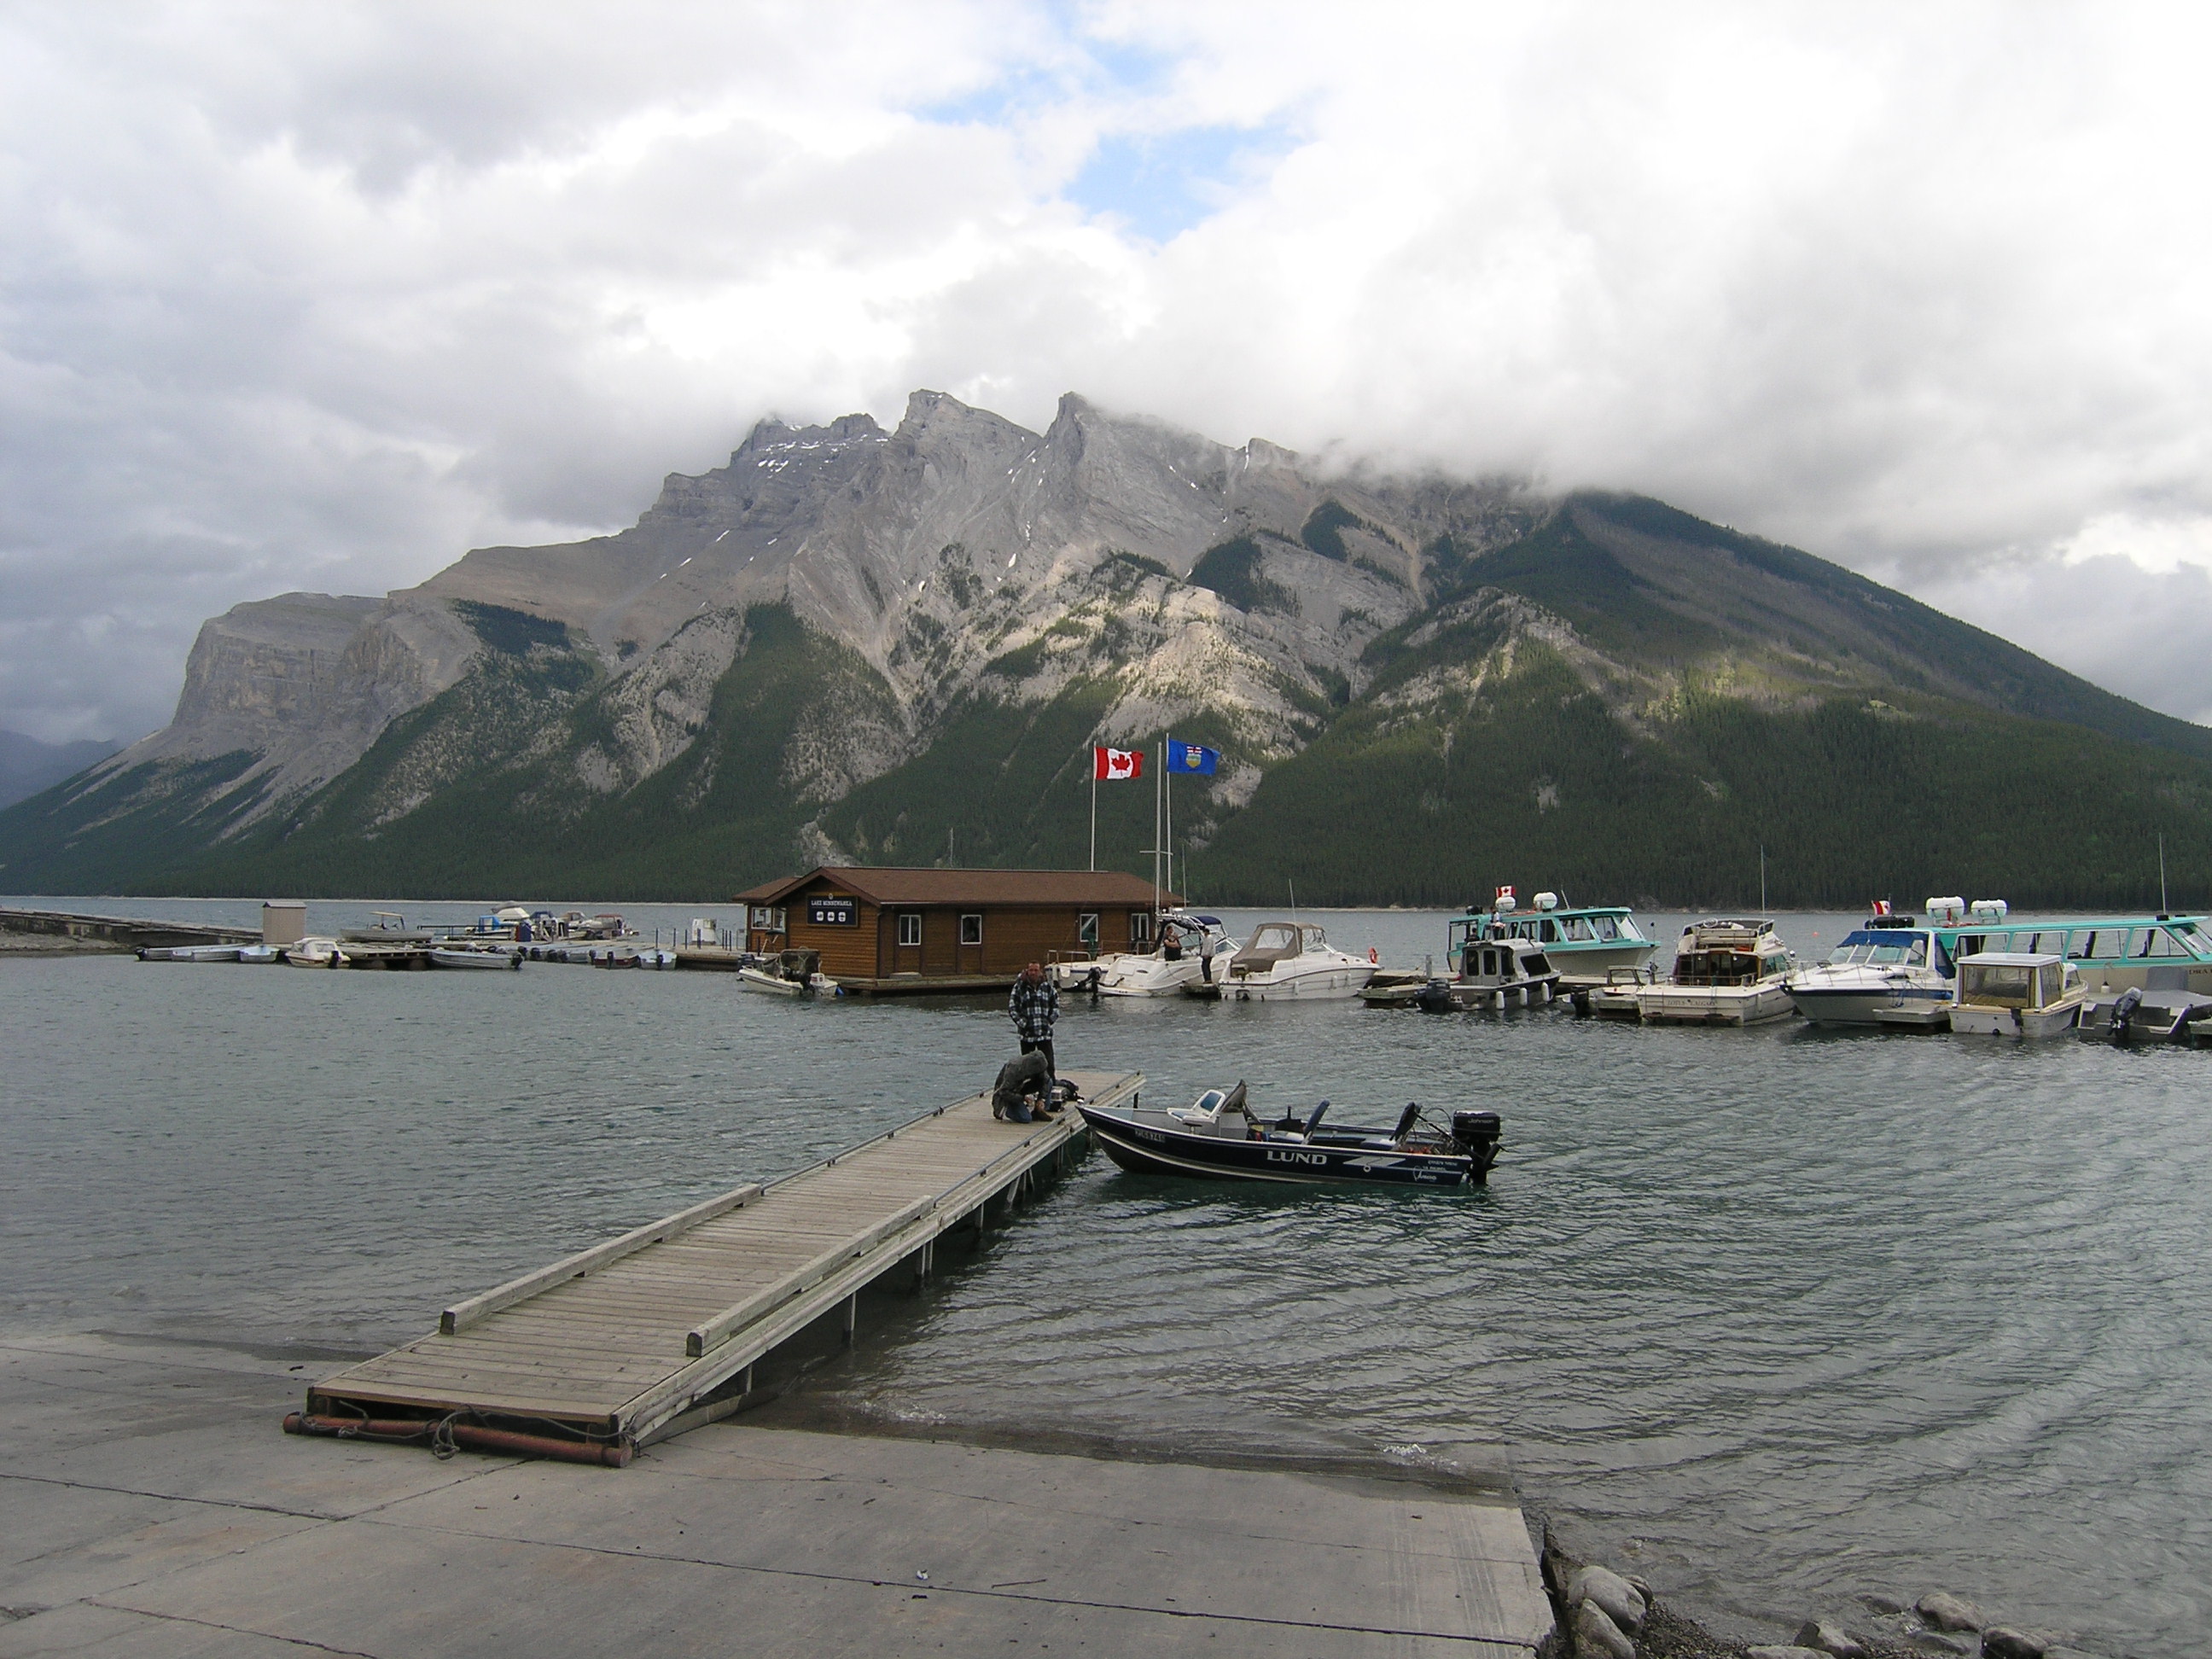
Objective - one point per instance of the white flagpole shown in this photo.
(1159, 776)
(1167, 841)
(1094, 807)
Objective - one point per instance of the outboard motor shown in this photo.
(1476, 1134)
(1435, 997)
(2123, 1015)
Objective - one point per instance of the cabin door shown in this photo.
(905, 941)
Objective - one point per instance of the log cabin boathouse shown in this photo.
(891, 931)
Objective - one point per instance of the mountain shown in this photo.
(855, 644)
(27, 766)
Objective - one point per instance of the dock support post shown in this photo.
(852, 1317)
(746, 1387)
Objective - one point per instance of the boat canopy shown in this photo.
(2012, 979)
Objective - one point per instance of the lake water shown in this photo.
(1781, 1315)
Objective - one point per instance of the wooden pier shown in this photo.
(656, 1332)
(123, 932)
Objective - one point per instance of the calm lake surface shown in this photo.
(1784, 1316)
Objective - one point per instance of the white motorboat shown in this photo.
(1285, 961)
(1728, 971)
(315, 951)
(189, 953)
(2022, 993)
(795, 973)
(1494, 972)
(1192, 950)
(461, 955)
(1893, 971)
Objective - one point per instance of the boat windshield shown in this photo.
(1881, 949)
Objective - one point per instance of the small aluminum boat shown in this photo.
(1217, 1136)
(189, 953)
(445, 956)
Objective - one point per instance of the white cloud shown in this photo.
(316, 297)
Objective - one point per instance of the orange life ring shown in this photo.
(1371, 957)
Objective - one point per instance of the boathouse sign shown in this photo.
(833, 912)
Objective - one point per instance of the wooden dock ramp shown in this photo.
(624, 1343)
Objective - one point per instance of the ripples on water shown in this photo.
(1784, 1316)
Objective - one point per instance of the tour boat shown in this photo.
(1893, 971)
(1217, 1136)
(2023, 994)
(1728, 971)
(1283, 962)
(1585, 941)
(1192, 949)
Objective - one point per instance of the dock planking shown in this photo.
(625, 1342)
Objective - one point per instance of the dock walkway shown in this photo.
(624, 1343)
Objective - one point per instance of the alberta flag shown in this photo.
(1106, 764)
(1192, 757)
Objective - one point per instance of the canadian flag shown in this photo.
(1110, 763)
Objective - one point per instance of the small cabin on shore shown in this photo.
(892, 930)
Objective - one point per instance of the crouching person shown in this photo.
(1022, 1090)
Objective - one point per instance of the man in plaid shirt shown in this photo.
(1034, 1005)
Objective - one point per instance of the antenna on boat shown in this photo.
(1762, 881)
(1294, 901)
(2164, 908)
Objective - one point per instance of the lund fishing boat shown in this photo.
(1728, 971)
(1893, 971)
(1192, 950)
(1287, 962)
(1218, 1137)
(1582, 941)
(2023, 994)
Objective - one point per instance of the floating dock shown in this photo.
(656, 1332)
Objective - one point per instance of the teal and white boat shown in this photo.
(1583, 942)
(1899, 970)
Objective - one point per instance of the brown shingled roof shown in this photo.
(1103, 888)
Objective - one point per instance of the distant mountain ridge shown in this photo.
(850, 644)
(28, 766)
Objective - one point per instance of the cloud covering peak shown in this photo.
(318, 298)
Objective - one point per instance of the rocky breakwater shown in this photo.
(1605, 1615)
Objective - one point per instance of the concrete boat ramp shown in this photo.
(153, 1511)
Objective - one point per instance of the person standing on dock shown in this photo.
(1034, 1006)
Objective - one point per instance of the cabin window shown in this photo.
(1550, 933)
(2157, 943)
(2049, 971)
(1489, 961)
(1140, 927)
(971, 930)
(2003, 984)
(1628, 930)
(1606, 929)
(1578, 927)
(1086, 929)
(910, 928)
(769, 918)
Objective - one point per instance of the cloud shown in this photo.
(317, 298)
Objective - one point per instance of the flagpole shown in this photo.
(1094, 807)
(1167, 813)
(1159, 780)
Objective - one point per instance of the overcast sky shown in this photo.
(319, 296)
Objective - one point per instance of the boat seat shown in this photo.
(1407, 1120)
(1203, 1113)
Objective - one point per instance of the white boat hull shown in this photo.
(1977, 1020)
(775, 985)
(475, 959)
(1830, 998)
(1719, 1004)
(1332, 984)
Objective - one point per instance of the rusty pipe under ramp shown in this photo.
(407, 1431)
